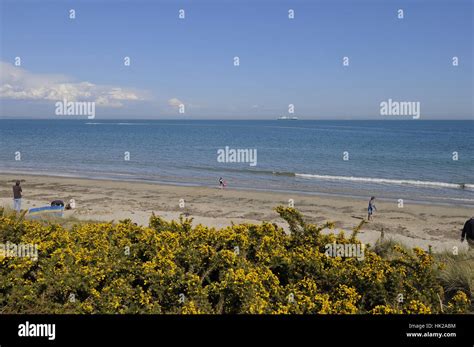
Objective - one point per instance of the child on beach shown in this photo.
(371, 208)
(221, 183)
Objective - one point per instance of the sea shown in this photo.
(419, 161)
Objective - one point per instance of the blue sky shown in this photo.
(282, 61)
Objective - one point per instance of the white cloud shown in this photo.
(18, 83)
(175, 102)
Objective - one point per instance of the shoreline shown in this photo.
(417, 224)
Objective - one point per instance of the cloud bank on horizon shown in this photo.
(20, 84)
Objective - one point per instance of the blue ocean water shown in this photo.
(411, 160)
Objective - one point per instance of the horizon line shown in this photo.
(235, 119)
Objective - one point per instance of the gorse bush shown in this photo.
(174, 267)
(457, 275)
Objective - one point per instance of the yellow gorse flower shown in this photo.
(173, 267)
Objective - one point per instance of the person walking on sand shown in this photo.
(468, 232)
(371, 208)
(17, 196)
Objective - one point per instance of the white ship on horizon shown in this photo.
(287, 118)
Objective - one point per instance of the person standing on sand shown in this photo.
(17, 196)
(468, 232)
(371, 208)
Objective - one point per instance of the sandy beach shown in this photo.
(106, 200)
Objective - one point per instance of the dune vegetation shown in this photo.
(177, 268)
